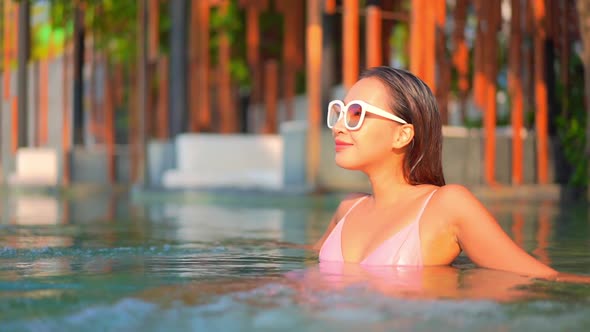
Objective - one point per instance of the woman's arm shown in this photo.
(482, 238)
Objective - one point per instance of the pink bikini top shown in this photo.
(403, 248)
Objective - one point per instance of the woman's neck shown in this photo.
(388, 186)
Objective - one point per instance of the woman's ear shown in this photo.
(403, 136)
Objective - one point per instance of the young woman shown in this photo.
(389, 127)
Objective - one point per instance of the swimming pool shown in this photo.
(229, 263)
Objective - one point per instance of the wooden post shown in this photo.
(289, 9)
(43, 101)
(516, 91)
(200, 81)
(350, 42)
(492, 12)
(541, 120)
(15, 120)
(109, 122)
(479, 58)
(226, 103)
(9, 43)
(461, 54)
(253, 10)
(141, 85)
(417, 44)
(23, 55)
(429, 51)
(314, 94)
(271, 83)
(373, 34)
(253, 52)
(13, 95)
(67, 138)
(153, 30)
(330, 6)
(153, 50)
(422, 42)
(440, 61)
(162, 104)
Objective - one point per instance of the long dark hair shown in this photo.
(414, 102)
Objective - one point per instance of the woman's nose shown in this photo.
(339, 126)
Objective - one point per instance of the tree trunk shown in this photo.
(584, 19)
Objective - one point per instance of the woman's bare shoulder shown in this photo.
(454, 200)
(454, 194)
(347, 202)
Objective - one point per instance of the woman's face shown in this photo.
(372, 142)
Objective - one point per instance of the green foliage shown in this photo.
(231, 24)
(571, 124)
(398, 41)
(113, 23)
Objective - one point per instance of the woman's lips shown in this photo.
(341, 145)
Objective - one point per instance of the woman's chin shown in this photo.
(343, 162)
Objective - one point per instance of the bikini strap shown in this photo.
(354, 205)
(425, 204)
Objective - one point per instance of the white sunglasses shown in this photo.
(354, 113)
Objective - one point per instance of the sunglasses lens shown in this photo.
(354, 115)
(333, 114)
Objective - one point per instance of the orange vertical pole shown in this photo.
(528, 56)
(429, 57)
(133, 128)
(350, 42)
(203, 111)
(418, 41)
(541, 121)
(109, 123)
(314, 94)
(163, 96)
(461, 53)
(441, 70)
(153, 30)
(298, 12)
(289, 9)
(271, 82)
(67, 109)
(14, 137)
(7, 47)
(479, 58)
(516, 91)
(43, 101)
(253, 53)
(225, 101)
(330, 6)
(195, 86)
(153, 50)
(118, 82)
(492, 11)
(373, 35)
(13, 94)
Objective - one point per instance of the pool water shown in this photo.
(232, 262)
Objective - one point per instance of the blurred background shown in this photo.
(181, 94)
(161, 159)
